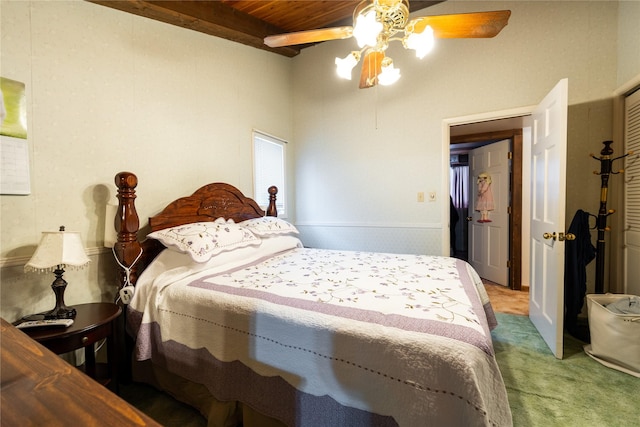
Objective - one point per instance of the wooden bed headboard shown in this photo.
(207, 204)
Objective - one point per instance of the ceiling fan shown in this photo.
(378, 22)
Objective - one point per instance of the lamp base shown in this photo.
(61, 311)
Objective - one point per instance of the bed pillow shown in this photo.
(203, 240)
(269, 226)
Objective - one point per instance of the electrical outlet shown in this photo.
(432, 196)
(126, 294)
(420, 197)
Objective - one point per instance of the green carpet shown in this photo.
(574, 391)
(543, 391)
(161, 407)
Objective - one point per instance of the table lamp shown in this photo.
(56, 251)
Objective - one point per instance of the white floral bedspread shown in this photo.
(410, 292)
(404, 337)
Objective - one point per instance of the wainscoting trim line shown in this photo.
(434, 226)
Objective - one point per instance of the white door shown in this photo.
(548, 191)
(632, 195)
(489, 239)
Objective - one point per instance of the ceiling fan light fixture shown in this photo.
(367, 28)
(389, 74)
(422, 42)
(346, 64)
(376, 23)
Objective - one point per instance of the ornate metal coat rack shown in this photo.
(606, 163)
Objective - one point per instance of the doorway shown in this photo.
(543, 130)
(469, 136)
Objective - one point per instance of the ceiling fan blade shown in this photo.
(371, 67)
(309, 36)
(464, 25)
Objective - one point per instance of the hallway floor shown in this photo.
(505, 300)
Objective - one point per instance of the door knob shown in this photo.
(567, 236)
(560, 236)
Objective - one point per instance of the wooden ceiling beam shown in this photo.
(206, 16)
(221, 19)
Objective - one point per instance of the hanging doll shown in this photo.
(484, 201)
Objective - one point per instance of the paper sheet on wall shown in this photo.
(14, 166)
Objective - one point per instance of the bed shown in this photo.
(232, 315)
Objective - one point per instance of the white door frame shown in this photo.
(526, 160)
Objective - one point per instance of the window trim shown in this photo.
(282, 199)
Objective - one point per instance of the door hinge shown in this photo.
(510, 155)
(508, 263)
(509, 210)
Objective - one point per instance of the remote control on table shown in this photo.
(45, 322)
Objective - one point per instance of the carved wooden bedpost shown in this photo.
(127, 223)
(272, 210)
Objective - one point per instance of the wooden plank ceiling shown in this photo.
(248, 21)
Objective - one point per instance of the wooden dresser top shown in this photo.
(39, 388)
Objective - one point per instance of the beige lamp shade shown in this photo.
(58, 248)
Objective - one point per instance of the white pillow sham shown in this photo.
(203, 240)
(269, 226)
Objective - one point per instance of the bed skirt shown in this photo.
(217, 413)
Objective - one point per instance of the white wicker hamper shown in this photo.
(615, 338)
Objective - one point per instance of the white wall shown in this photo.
(628, 41)
(363, 155)
(109, 91)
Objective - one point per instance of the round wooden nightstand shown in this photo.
(93, 322)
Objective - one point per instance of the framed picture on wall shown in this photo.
(13, 109)
(14, 151)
